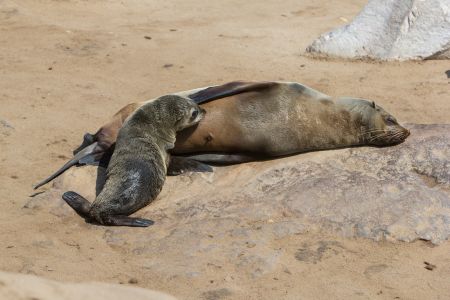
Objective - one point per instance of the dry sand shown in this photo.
(66, 66)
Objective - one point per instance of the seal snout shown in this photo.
(407, 133)
(399, 135)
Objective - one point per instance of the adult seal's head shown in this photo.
(377, 126)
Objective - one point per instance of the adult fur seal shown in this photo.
(137, 169)
(259, 120)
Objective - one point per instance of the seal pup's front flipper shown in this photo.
(82, 207)
(179, 165)
(222, 159)
(92, 154)
(229, 89)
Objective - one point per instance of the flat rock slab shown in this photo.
(394, 193)
(391, 30)
(27, 287)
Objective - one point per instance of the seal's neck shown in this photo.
(354, 113)
(338, 126)
(166, 137)
(156, 126)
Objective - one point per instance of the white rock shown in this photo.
(391, 30)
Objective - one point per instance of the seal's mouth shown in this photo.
(390, 136)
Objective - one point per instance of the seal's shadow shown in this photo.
(101, 170)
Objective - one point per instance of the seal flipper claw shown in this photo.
(120, 220)
(78, 203)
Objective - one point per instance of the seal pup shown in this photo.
(138, 166)
(249, 121)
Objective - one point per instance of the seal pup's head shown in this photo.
(173, 111)
(377, 126)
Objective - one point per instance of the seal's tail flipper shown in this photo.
(82, 207)
(88, 139)
(78, 203)
(229, 89)
(89, 155)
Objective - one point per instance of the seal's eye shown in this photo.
(194, 114)
(391, 121)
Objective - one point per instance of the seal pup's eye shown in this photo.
(391, 121)
(194, 114)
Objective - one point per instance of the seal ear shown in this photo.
(373, 104)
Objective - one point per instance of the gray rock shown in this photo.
(232, 217)
(391, 30)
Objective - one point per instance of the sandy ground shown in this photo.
(66, 66)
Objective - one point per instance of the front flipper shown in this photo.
(126, 221)
(222, 159)
(92, 154)
(229, 89)
(179, 165)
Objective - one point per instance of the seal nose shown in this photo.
(203, 111)
(407, 133)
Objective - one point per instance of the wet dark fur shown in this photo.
(138, 166)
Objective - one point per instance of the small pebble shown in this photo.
(429, 266)
(133, 281)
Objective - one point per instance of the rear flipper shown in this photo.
(179, 165)
(222, 159)
(78, 203)
(88, 139)
(82, 207)
(92, 155)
